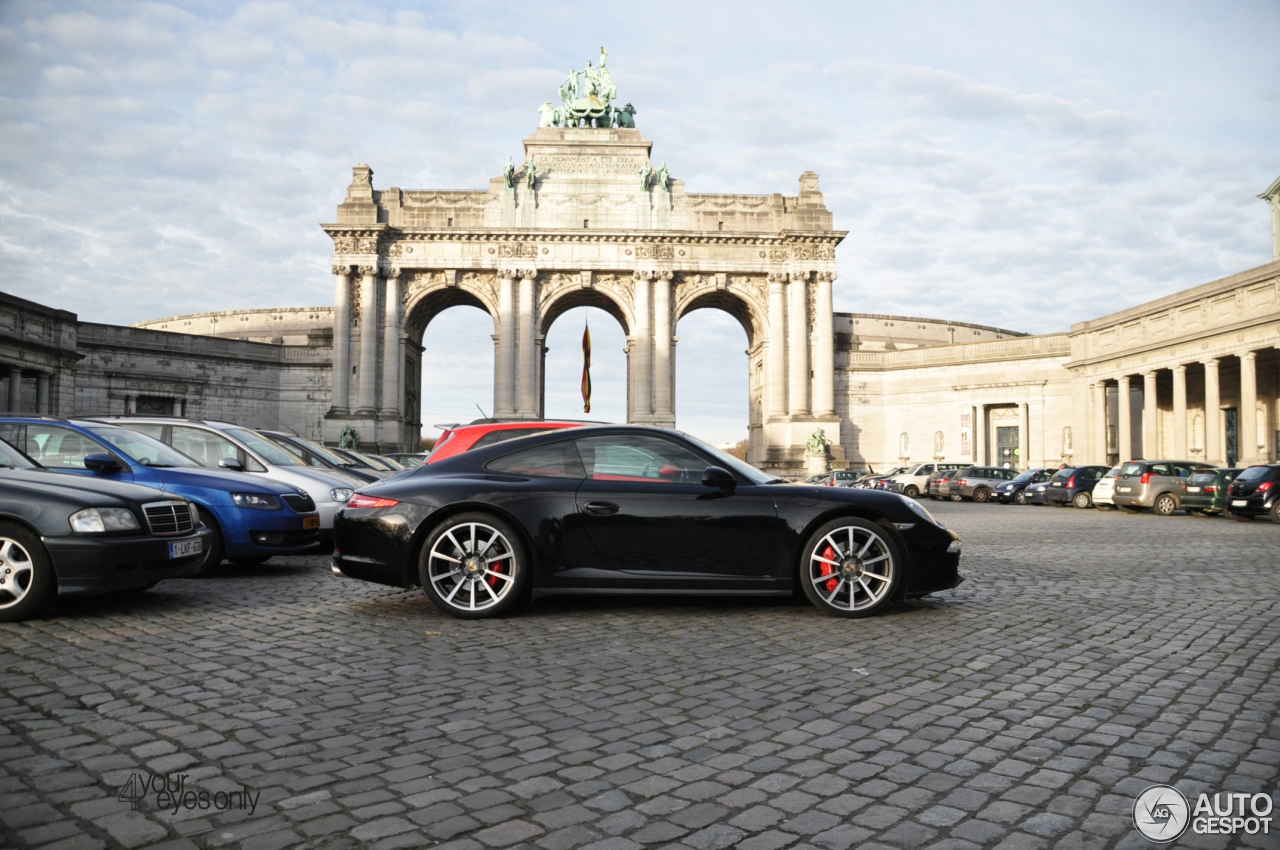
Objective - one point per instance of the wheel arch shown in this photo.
(430, 521)
(869, 515)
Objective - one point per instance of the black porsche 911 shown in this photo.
(65, 534)
(631, 509)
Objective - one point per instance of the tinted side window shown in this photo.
(630, 457)
(60, 448)
(1161, 469)
(147, 428)
(208, 448)
(557, 460)
(507, 434)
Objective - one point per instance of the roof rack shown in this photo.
(32, 416)
(102, 416)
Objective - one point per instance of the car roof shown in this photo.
(476, 458)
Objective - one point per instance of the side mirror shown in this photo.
(232, 464)
(720, 478)
(102, 463)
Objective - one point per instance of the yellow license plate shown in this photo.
(311, 522)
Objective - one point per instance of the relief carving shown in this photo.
(518, 250)
(655, 252)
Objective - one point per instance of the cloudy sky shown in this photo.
(1024, 165)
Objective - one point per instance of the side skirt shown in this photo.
(633, 591)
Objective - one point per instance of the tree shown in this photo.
(739, 450)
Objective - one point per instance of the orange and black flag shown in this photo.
(586, 370)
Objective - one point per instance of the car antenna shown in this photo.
(483, 415)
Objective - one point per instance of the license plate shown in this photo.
(1057, 484)
(1239, 503)
(311, 522)
(1193, 489)
(185, 548)
(1125, 489)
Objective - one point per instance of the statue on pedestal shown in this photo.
(509, 174)
(530, 174)
(587, 95)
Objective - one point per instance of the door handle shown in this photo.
(600, 508)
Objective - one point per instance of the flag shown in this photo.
(586, 370)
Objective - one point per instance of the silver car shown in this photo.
(977, 482)
(912, 482)
(226, 446)
(1155, 484)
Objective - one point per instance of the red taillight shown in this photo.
(1146, 478)
(1264, 486)
(1071, 482)
(359, 500)
(1209, 489)
(962, 482)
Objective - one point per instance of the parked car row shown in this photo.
(213, 490)
(1160, 486)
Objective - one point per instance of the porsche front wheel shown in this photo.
(850, 568)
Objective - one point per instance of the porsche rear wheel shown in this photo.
(473, 565)
(850, 568)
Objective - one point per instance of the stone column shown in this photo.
(1212, 406)
(663, 412)
(15, 389)
(824, 357)
(1024, 436)
(131, 404)
(1124, 428)
(1179, 412)
(1150, 416)
(527, 343)
(42, 394)
(391, 357)
(1099, 430)
(504, 355)
(367, 390)
(1248, 415)
(341, 401)
(775, 352)
(798, 344)
(177, 407)
(642, 349)
(980, 435)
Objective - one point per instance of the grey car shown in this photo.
(1155, 484)
(977, 482)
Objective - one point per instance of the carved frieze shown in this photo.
(813, 252)
(655, 252)
(483, 284)
(355, 245)
(518, 250)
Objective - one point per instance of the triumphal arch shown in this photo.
(586, 219)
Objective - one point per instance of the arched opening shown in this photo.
(448, 374)
(718, 394)
(561, 372)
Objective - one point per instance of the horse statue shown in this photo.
(625, 117)
(550, 115)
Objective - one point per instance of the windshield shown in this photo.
(1027, 476)
(1129, 470)
(1204, 477)
(732, 464)
(293, 443)
(1254, 472)
(147, 451)
(1113, 472)
(264, 448)
(1064, 474)
(373, 462)
(9, 456)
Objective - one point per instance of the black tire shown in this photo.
(982, 494)
(214, 556)
(912, 492)
(1275, 512)
(27, 574)
(1020, 497)
(504, 586)
(255, 561)
(851, 540)
(1239, 518)
(1164, 505)
(1082, 500)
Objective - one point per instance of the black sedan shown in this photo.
(62, 534)
(634, 510)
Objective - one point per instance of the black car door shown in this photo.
(650, 518)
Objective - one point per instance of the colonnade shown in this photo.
(15, 375)
(799, 344)
(1197, 432)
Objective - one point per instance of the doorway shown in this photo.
(1007, 446)
(1232, 433)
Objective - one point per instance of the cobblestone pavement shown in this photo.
(1088, 656)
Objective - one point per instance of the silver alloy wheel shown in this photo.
(862, 568)
(16, 572)
(1020, 497)
(1165, 505)
(472, 566)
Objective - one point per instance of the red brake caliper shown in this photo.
(494, 568)
(828, 569)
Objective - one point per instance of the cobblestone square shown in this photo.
(1088, 656)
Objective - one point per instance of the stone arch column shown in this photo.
(798, 344)
(775, 355)
(642, 350)
(527, 346)
(504, 360)
(367, 393)
(341, 401)
(663, 363)
(391, 357)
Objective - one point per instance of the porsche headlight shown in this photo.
(98, 520)
(919, 509)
